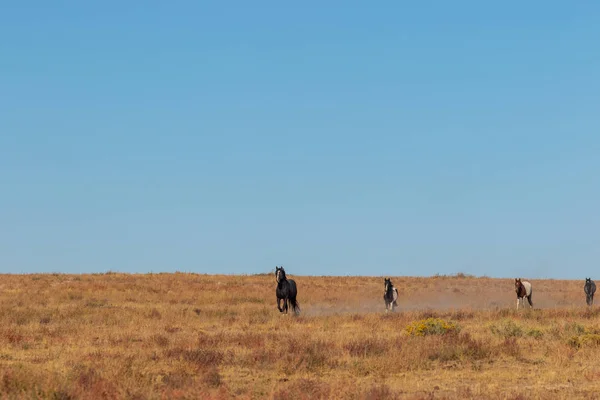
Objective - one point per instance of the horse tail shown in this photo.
(295, 305)
(293, 292)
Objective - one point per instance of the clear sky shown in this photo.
(335, 138)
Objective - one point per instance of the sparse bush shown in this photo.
(431, 326)
(161, 340)
(535, 333)
(507, 329)
(177, 379)
(456, 347)
(574, 328)
(212, 378)
(585, 340)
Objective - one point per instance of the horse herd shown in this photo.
(287, 291)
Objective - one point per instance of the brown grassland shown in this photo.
(186, 335)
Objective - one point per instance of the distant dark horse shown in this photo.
(390, 295)
(523, 289)
(589, 289)
(286, 291)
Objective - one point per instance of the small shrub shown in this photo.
(172, 329)
(212, 378)
(160, 340)
(14, 337)
(507, 329)
(455, 347)
(177, 379)
(431, 326)
(535, 333)
(574, 342)
(586, 340)
(574, 328)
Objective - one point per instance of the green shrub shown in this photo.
(585, 340)
(507, 329)
(535, 333)
(575, 328)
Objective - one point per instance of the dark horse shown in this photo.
(286, 291)
(390, 295)
(523, 289)
(589, 289)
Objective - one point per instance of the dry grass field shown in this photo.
(213, 336)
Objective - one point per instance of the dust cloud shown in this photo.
(444, 294)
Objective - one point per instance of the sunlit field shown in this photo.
(213, 336)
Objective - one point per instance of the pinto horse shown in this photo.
(523, 289)
(286, 291)
(390, 295)
(589, 289)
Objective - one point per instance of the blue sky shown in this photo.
(346, 138)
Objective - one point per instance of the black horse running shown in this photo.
(589, 289)
(286, 291)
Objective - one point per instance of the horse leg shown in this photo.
(530, 302)
(285, 304)
(517, 303)
(278, 304)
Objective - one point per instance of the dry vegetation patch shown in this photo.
(208, 336)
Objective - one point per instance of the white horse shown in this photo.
(523, 289)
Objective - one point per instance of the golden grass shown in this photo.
(212, 336)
